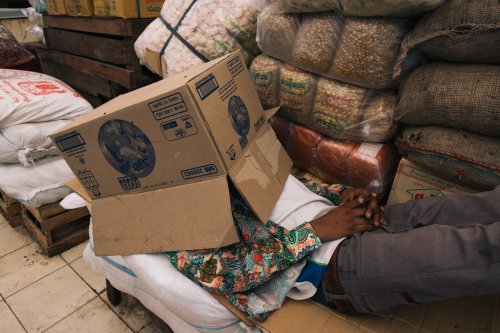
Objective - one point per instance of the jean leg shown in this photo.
(457, 210)
(380, 271)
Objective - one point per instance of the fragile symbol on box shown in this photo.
(179, 128)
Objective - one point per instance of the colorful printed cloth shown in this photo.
(266, 253)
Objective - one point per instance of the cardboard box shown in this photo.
(157, 162)
(413, 183)
(55, 7)
(79, 7)
(128, 8)
(21, 29)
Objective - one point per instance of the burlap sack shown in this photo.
(459, 30)
(457, 95)
(466, 158)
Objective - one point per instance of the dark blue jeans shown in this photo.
(432, 249)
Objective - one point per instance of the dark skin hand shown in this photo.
(358, 212)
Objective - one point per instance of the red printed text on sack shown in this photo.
(40, 88)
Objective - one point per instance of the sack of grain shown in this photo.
(396, 8)
(11, 52)
(355, 50)
(457, 95)
(339, 110)
(28, 97)
(190, 32)
(466, 158)
(351, 163)
(459, 30)
(37, 186)
(25, 143)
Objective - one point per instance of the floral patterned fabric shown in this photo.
(266, 252)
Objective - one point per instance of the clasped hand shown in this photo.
(358, 211)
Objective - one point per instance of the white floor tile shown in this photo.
(131, 311)
(8, 322)
(94, 316)
(25, 266)
(95, 280)
(49, 300)
(12, 239)
(73, 253)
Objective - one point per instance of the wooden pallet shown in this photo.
(10, 209)
(55, 228)
(94, 55)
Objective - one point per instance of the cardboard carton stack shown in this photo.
(157, 163)
(114, 8)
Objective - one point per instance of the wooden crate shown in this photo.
(94, 55)
(55, 228)
(10, 209)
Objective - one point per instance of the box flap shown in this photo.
(155, 63)
(177, 218)
(75, 185)
(261, 172)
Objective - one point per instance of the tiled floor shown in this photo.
(58, 294)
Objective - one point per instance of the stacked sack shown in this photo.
(333, 73)
(451, 107)
(191, 32)
(32, 105)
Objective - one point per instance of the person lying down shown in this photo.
(337, 246)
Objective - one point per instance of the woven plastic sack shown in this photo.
(351, 163)
(395, 8)
(25, 143)
(355, 50)
(457, 95)
(28, 97)
(339, 110)
(190, 32)
(37, 186)
(12, 54)
(459, 30)
(466, 158)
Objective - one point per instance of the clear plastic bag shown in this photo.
(339, 110)
(189, 33)
(351, 163)
(12, 54)
(356, 50)
(394, 8)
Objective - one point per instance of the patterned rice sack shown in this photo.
(393, 8)
(339, 110)
(459, 30)
(351, 163)
(457, 95)
(466, 158)
(11, 52)
(356, 50)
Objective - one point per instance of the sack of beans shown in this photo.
(460, 31)
(466, 158)
(356, 50)
(12, 54)
(336, 109)
(351, 163)
(457, 95)
(189, 33)
(359, 8)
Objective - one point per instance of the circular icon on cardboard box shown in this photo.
(126, 148)
(238, 113)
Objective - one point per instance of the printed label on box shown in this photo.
(69, 141)
(179, 128)
(205, 170)
(168, 106)
(235, 66)
(206, 86)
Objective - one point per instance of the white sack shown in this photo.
(25, 143)
(213, 28)
(27, 97)
(37, 186)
